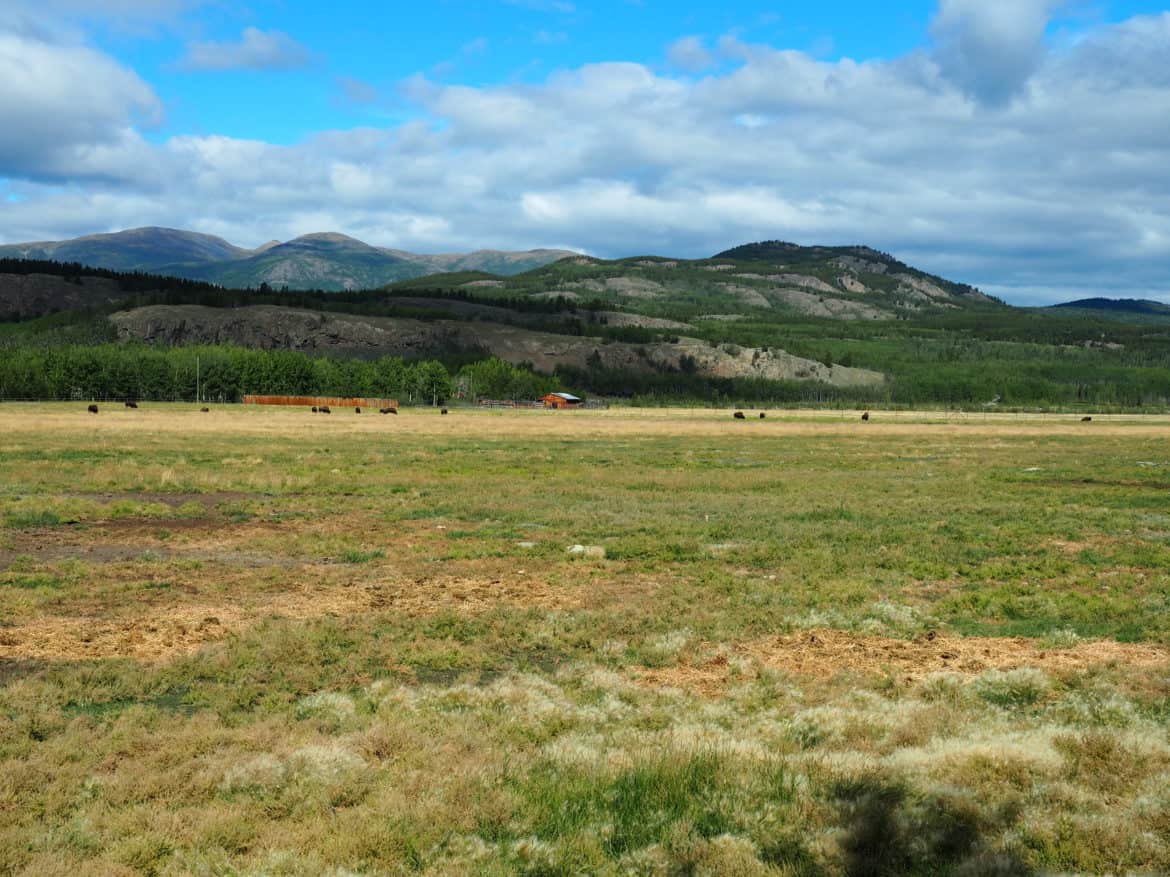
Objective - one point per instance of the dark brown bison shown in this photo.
(92, 409)
(324, 409)
(1086, 420)
(131, 404)
(205, 410)
(391, 410)
(739, 415)
(443, 411)
(763, 415)
(865, 416)
(314, 409)
(357, 411)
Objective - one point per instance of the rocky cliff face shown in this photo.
(272, 328)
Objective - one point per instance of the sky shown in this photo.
(1022, 146)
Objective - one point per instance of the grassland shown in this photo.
(258, 642)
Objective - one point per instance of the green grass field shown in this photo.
(260, 642)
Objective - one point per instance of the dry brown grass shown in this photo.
(292, 423)
(827, 653)
(263, 642)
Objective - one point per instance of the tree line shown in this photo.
(225, 373)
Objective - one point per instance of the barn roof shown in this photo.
(568, 397)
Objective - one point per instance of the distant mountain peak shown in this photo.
(767, 251)
(320, 260)
(330, 237)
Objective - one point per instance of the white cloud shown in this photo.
(255, 50)
(68, 111)
(1060, 190)
(990, 48)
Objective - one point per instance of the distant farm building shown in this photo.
(561, 400)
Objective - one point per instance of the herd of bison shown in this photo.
(324, 409)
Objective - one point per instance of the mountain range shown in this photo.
(851, 318)
(327, 261)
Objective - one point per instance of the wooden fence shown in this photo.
(318, 401)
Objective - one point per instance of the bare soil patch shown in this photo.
(184, 619)
(826, 653)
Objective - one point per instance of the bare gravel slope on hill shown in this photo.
(271, 327)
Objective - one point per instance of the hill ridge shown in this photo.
(326, 259)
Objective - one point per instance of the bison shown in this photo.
(763, 415)
(1086, 420)
(391, 410)
(324, 409)
(865, 416)
(131, 404)
(357, 411)
(739, 415)
(204, 410)
(92, 409)
(443, 411)
(314, 409)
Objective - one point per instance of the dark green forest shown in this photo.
(226, 374)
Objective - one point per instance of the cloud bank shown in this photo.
(989, 157)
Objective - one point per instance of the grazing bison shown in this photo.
(1086, 420)
(763, 415)
(131, 404)
(739, 415)
(357, 411)
(391, 410)
(865, 416)
(205, 410)
(92, 409)
(324, 409)
(443, 411)
(314, 409)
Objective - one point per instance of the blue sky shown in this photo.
(378, 45)
(1014, 144)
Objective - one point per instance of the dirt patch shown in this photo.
(427, 596)
(166, 631)
(817, 305)
(1076, 546)
(827, 653)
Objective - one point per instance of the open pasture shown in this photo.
(266, 642)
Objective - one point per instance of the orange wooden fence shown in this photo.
(318, 401)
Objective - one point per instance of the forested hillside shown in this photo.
(822, 326)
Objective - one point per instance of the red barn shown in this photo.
(560, 400)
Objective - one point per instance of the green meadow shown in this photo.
(645, 642)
